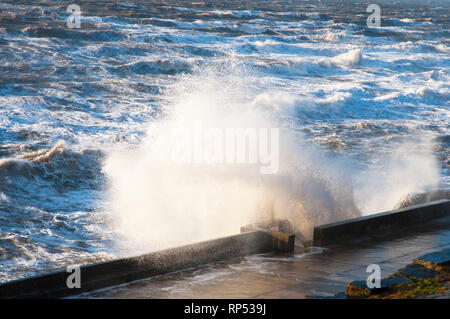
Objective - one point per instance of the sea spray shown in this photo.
(159, 203)
(411, 168)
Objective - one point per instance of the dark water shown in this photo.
(70, 96)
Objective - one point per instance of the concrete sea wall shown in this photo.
(374, 225)
(119, 271)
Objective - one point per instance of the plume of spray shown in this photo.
(411, 168)
(158, 203)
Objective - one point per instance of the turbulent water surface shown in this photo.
(79, 108)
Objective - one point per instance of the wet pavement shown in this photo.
(317, 271)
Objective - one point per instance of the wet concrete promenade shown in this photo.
(317, 271)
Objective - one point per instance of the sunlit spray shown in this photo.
(169, 191)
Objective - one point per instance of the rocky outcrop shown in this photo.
(427, 277)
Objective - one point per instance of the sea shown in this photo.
(90, 92)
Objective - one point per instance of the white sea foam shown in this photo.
(4, 198)
(349, 58)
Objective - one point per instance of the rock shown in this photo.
(359, 288)
(414, 272)
(438, 261)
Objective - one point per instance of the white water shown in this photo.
(364, 118)
(158, 203)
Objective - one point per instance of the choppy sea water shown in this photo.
(70, 97)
